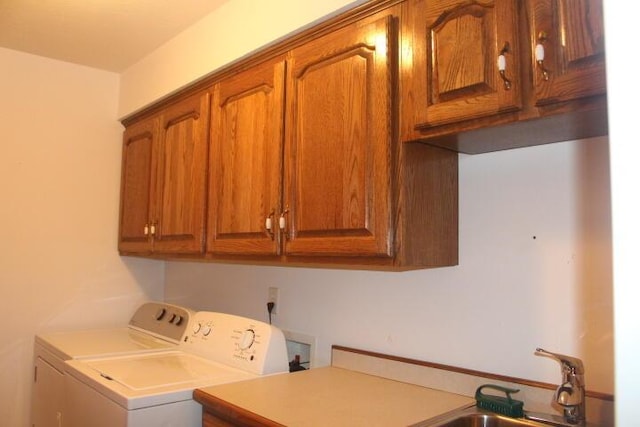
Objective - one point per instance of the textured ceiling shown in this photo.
(106, 34)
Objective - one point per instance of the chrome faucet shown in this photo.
(570, 394)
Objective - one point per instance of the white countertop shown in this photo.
(333, 397)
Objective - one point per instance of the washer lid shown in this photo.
(100, 342)
(146, 380)
(151, 371)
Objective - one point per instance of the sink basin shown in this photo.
(486, 420)
(474, 417)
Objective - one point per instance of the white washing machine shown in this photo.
(157, 389)
(154, 327)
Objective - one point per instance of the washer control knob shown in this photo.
(177, 319)
(247, 339)
(197, 327)
(160, 313)
(206, 330)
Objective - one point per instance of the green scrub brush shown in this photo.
(498, 404)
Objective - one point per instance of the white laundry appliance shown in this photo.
(156, 389)
(154, 327)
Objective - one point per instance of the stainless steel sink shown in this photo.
(474, 417)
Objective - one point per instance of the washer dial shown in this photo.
(160, 313)
(247, 339)
(206, 330)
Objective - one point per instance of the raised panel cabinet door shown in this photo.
(179, 211)
(245, 169)
(568, 49)
(456, 45)
(137, 186)
(338, 138)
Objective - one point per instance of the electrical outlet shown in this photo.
(274, 294)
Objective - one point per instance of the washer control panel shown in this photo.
(247, 344)
(162, 320)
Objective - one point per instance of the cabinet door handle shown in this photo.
(146, 229)
(152, 229)
(282, 223)
(502, 66)
(268, 225)
(539, 52)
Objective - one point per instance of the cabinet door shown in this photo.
(455, 47)
(246, 161)
(571, 33)
(136, 184)
(179, 209)
(338, 137)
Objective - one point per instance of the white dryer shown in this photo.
(157, 389)
(154, 327)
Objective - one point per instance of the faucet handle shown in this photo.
(570, 364)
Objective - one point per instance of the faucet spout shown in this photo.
(570, 394)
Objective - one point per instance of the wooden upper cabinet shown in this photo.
(486, 75)
(455, 49)
(245, 166)
(137, 182)
(570, 34)
(163, 190)
(182, 170)
(293, 156)
(338, 139)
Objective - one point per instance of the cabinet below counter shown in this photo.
(327, 396)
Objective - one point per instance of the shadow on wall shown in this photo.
(595, 264)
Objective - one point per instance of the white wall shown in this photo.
(59, 181)
(535, 270)
(510, 293)
(625, 176)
